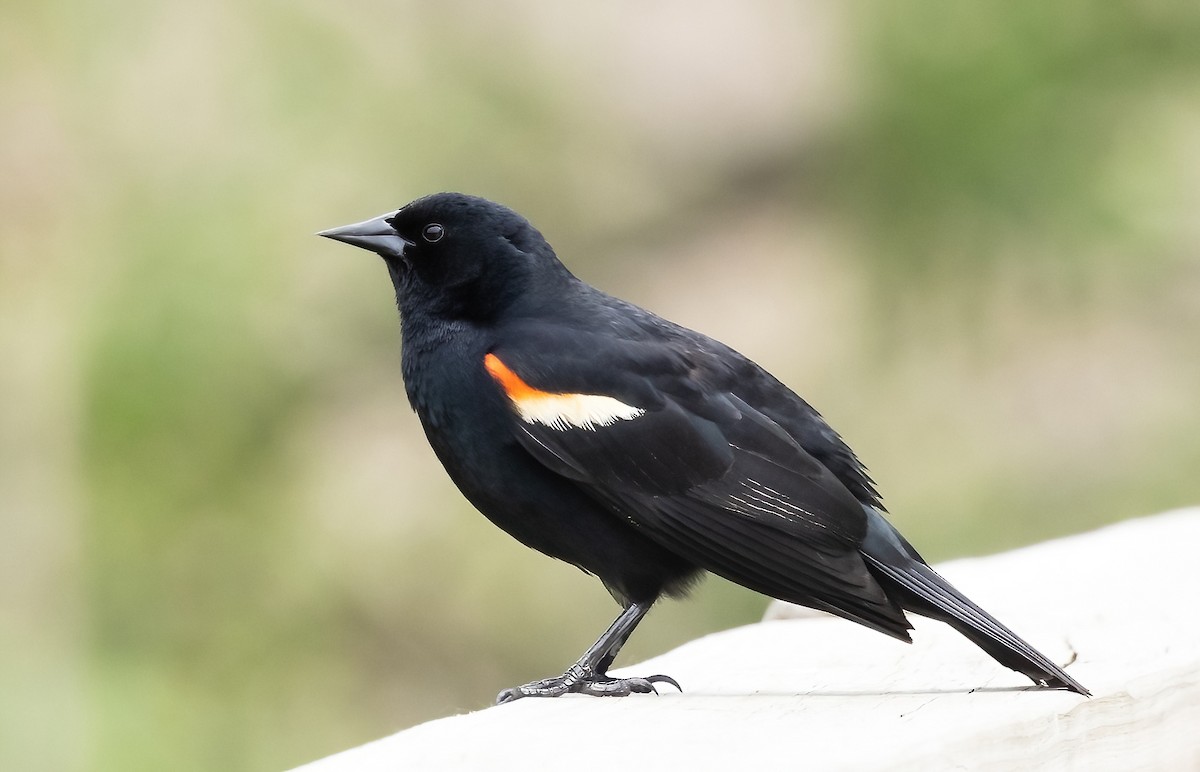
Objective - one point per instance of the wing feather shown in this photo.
(710, 477)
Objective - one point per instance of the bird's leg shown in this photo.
(589, 674)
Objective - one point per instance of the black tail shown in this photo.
(918, 588)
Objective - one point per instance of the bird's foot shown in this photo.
(579, 681)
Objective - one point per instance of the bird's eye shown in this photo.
(433, 232)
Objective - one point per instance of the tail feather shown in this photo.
(920, 589)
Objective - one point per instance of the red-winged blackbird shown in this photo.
(640, 451)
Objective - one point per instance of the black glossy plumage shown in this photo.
(723, 469)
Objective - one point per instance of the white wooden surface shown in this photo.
(823, 694)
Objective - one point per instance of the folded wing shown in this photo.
(662, 437)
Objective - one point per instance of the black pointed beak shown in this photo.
(377, 235)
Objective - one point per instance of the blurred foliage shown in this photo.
(965, 232)
(1010, 125)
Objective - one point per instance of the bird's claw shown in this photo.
(593, 685)
(622, 687)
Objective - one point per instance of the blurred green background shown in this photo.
(968, 233)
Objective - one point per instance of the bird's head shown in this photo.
(459, 256)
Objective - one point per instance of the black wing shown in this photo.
(659, 432)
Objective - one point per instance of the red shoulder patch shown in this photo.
(558, 410)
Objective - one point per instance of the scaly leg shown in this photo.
(589, 675)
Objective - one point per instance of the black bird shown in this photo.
(638, 450)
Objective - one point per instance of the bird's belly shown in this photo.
(555, 515)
